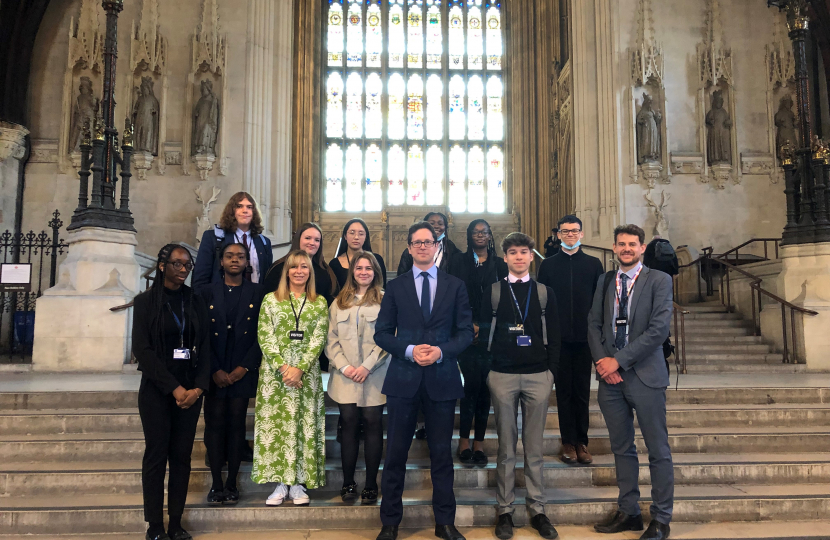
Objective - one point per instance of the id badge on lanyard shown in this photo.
(182, 353)
(296, 334)
(518, 330)
(621, 320)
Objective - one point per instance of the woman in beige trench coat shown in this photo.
(356, 372)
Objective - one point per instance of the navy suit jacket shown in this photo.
(206, 270)
(401, 323)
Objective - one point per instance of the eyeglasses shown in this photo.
(356, 233)
(178, 265)
(424, 243)
(572, 232)
(480, 233)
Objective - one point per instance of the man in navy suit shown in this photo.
(425, 322)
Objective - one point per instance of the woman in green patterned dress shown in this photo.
(289, 434)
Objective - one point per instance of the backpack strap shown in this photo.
(495, 297)
(609, 277)
(543, 301)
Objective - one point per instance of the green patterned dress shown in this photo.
(289, 434)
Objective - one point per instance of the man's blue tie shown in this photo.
(622, 313)
(425, 295)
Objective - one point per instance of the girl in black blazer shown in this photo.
(355, 238)
(233, 306)
(171, 344)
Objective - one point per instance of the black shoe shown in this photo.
(618, 522)
(231, 496)
(421, 434)
(466, 456)
(656, 531)
(349, 493)
(504, 527)
(160, 536)
(388, 532)
(479, 458)
(448, 532)
(369, 496)
(541, 523)
(247, 452)
(179, 534)
(215, 497)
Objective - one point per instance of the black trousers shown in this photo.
(224, 436)
(475, 405)
(371, 418)
(573, 392)
(168, 437)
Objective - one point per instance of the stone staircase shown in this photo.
(723, 342)
(70, 463)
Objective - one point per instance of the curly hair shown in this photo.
(228, 220)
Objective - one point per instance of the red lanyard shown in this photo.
(630, 286)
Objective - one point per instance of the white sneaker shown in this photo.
(298, 495)
(278, 496)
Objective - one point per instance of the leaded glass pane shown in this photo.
(374, 178)
(475, 117)
(334, 39)
(415, 175)
(435, 116)
(334, 107)
(435, 175)
(354, 179)
(475, 38)
(396, 104)
(396, 167)
(374, 35)
(397, 43)
(458, 121)
(354, 35)
(354, 106)
(374, 115)
(456, 41)
(494, 50)
(415, 35)
(495, 119)
(475, 187)
(495, 180)
(334, 178)
(415, 108)
(434, 35)
(458, 174)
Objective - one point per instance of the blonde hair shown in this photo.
(374, 293)
(293, 260)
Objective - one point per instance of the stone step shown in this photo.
(567, 505)
(728, 348)
(127, 421)
(713, 315)
(721, 340)
(130, 446)
(91, 478)
(712, 331)
(729, 367)
(694, 357)
(716, 323)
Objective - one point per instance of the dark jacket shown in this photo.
(206, 270)
(193, 373)
(463, 267)
(400, 324)
(573, 279)
(325, 282)
(405, 264)
(552, 246)
(245, 349)
(505, 354)
(670, 267)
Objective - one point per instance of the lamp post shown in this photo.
(100, 156)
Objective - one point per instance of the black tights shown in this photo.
(476, 401)
(224, 436)
(351, 417)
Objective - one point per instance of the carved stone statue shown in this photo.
(785, 122)
(661, 224)
(203, 223)
(146, 118)
(205, 121)
(84, 111)
(718, 125)
(648, 133)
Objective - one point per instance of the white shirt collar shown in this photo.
(633, 272)
(513, 279)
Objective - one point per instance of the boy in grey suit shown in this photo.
(626, 334)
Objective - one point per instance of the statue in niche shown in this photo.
(146, 118)
(206, 121)
(785, 122)
(648, 133)
(718, 126)
(84, 111)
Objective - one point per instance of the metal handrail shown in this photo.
(776, 241)
(148, 277)
(680, 336)
(707, 252)
(606, 253)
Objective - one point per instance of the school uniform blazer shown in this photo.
(246, 351)
(206, 269)
(401, 323)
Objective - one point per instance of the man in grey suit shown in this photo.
(628, 323)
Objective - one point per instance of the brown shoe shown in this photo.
(568, 453)
(583, 455)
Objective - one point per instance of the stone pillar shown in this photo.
(280, 218)
(12, 150)
(804, 281)
(74, 327)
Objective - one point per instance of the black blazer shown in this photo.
(206, 270)
(400, 324)
(246, 351)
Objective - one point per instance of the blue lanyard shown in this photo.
(179, 323)
(516, 302)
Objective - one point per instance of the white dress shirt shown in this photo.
(246, 239)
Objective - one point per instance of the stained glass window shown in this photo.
(414, 111)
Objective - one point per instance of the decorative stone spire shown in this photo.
(647, 56)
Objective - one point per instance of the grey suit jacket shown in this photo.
(650, 318)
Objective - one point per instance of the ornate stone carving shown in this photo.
(83, 111)
(204, 164)
(647, 56)
(205, 121)
(687, 163)
(661, 224)
(44, 151)
(12, 141)
(651, 172)
(203, 222)
(785, 124)
(146, 118)
(720, 174)
(714, 59)
(718, 127)
(648, 133)
(142, 162)
(86, 41)
(757, 164)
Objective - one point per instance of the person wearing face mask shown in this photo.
(241, 223)
(356, 383)
(573, 275)
(355, 238)
(446, 248)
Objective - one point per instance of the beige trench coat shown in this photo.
(351, 343)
